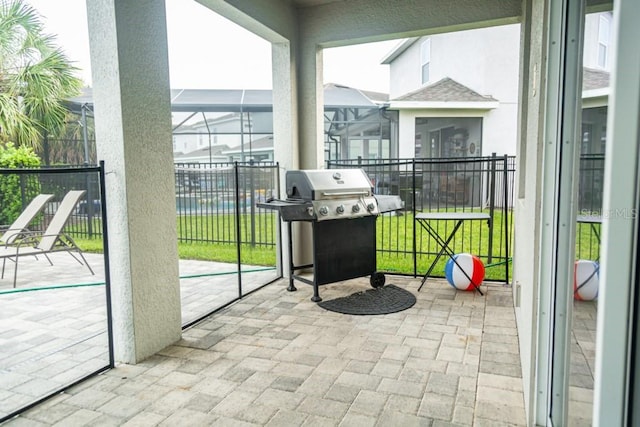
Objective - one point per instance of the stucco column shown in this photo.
(285, 125)
(130, 69)
(527, 212)
(298, 124)
(310, 100)
(310, 105)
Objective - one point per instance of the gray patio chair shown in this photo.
(20, 225)
(53, 239)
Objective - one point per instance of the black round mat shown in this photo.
(384, 300)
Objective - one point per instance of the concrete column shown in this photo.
(310, 105)
(298, 125)
(129, 61)
(527, 213)
(285, 124)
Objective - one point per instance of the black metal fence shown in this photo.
(590, 189)
(207, 195)
(57, 347)
(481, 184)
(206, 198)
(19, 188)
(590, 185)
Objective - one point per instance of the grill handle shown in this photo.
(345, 193)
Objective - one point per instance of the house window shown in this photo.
(603, 41)
(425, 59)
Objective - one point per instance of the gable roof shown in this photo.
(260, 144)
(377, 97)
(398, 50)
(594, 79)
(445, 90)
(214, 150)
(220, 99)
(337, 95)
(236, 100)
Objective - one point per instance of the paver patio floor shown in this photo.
(275, 358)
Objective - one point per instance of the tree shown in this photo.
(14, 189)
(35, 77)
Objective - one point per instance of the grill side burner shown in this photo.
(342, 210)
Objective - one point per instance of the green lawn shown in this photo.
(205, 252)
(395, 245)
(394, 242)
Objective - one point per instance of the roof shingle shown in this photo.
(445, 90)
(594, 79)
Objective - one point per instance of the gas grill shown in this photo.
(341, 208)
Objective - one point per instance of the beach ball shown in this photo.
(464, 263)
(586, 280)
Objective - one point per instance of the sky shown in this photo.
(242, 61)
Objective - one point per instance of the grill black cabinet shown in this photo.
(341, 210)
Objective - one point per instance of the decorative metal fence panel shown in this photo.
(46, 346)
(482, 184)
(207, 195)
(590, 188)
(590, 184)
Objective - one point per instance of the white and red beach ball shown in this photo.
(586, 280)
(464, 263)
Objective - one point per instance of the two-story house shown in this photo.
(457, 93)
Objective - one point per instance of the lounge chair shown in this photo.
(51, 240)
(21, 224)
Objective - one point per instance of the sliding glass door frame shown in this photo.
(617, 380)
(559, 207)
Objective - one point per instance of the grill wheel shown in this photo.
(377, 280)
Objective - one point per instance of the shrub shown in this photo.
(16, 190)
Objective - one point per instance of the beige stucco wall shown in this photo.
(485, 60)
(130, 69)
(527, 212)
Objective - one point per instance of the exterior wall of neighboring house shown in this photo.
(598, 41)
(485, 60)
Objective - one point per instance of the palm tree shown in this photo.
(35, 77)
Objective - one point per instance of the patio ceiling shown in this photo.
(311, 3)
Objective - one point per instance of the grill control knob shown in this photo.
(340, 209)
(324, 211)
(355, 208)
(371, 207)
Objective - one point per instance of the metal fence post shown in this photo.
(23, 191)
(492, 204)
(413, 220)
(252, 208)
(505, 213)
(89, 205)
(107, 265)
(238, 231)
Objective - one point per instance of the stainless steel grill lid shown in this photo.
(318, 184)
(333, 194)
